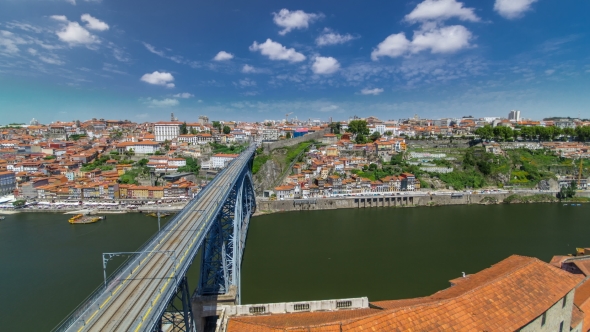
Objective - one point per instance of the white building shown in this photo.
(143, 147)
(166, 130)
(220, 160)
(270, 135)
(514, 115)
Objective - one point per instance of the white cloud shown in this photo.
(550, 71)
(73, 2)
(512, 9)
(9, 42)
(438, 40)
(158, 78)
(168, 102)
(72, 33)
(32, 51)
(153, 50)
(276, 51)
(223, 56)
(184, 95)
(393, 46)
(247, 82)
(325, 65)
(61, 18)
(373, 92)
(93, 23)
(247, 69)
(50, 60)
(442, 40)
(297, 19)
(329, 37)
(329, 108)
(440, 10)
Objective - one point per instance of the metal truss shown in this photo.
(179, 315)
(224, 245)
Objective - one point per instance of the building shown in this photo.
(166, 130)
(514, 116)
(7, 183)
(220, 160)
(270, 135)
(517, 294)
(143, 147)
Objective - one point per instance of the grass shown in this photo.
(539, 198)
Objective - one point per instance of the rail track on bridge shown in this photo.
(137, 294)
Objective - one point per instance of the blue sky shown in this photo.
(256, 60)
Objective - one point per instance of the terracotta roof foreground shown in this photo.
(504, 297)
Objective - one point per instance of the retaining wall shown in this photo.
(269, 146)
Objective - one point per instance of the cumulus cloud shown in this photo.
(512, 9)
(93, 23)
(373, 92)
(73, 33)
(325, 65)
(440, 10)
(329, 37)
(438, 40)
(298, 19)
(159, 78)
(393, 46)
(247, 83)
(276, 51)
(167, 102)
(184, 95)
(223, 56)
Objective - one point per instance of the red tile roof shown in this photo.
(504, 297)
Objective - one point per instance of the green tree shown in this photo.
(360, 139)
(288, 136)
(226, 130)
(486, 132)
(375, 136)
(335, 128)
(183, 129)
(388, 133)
(20, 203)
(194, 131)
(358, 127)
(217, 125)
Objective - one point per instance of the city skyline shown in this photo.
(68, 59)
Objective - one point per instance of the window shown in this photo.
(564, 301)
(543, 319)
(561, 327)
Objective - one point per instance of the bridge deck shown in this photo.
(139, 293)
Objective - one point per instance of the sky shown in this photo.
(254, 60)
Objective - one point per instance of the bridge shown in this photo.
(150, 291)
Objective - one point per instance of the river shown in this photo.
(49, 266)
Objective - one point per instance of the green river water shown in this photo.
(48, 266)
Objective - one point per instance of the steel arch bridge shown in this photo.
(150, 290)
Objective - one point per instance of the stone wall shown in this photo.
(376, 201)
(269, 146)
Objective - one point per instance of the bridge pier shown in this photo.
(207, 308)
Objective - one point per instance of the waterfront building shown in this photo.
(517, 294)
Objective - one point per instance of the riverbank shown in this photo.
(268, 207)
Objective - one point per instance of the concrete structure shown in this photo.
(7, 183)
(143, 147)
(166, 130)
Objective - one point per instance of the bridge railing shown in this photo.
(124, 270)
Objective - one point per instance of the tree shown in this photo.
(217, 125)
(191, 166)
(288, 136)
(335, 128)
(226, 130)
(183, 129)
(20, 203)
(388, 133)
(358, 127)
(360, 139)
(486, 132)
(375, 136)
(194, 131)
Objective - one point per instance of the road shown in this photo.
(140, 292)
